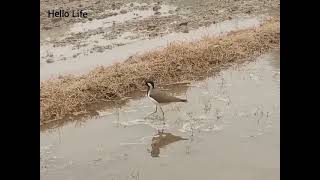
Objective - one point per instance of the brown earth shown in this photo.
(72, 95)
(186, 15)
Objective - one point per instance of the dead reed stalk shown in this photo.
(177, 62)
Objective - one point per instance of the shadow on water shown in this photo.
(161, 140)
(229, 129)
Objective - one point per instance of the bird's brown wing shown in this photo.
(162, 97)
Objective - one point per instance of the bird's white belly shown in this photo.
(154, 101)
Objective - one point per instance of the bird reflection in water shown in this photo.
(161, 140)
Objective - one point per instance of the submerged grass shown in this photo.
(71, 95)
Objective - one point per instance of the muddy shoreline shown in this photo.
(184, 61)
(84, 64)
(115, 23)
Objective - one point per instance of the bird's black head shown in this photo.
(150, 84)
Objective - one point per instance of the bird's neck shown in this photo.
(149, 90)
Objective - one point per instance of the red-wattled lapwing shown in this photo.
(160, 98)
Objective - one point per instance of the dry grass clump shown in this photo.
(177, 62)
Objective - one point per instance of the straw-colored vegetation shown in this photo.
(177, 62)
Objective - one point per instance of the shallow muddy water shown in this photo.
(229, 129)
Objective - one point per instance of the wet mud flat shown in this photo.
(83, 64)
(113, 24)
(229, 129)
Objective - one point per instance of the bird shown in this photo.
(159, 97)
